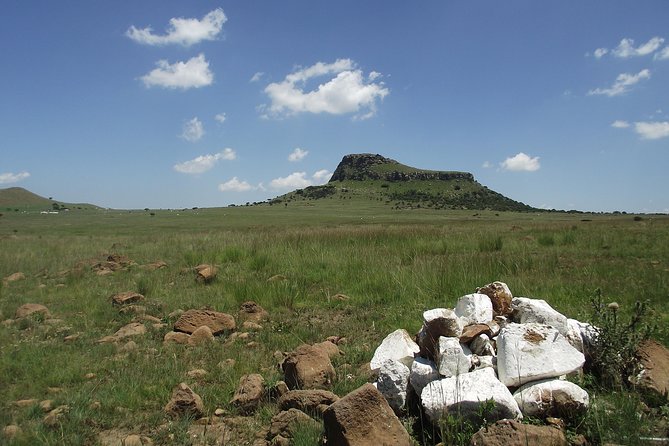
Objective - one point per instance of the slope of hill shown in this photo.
(23, 199)
(368, 177)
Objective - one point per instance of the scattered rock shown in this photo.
(555, 398)
(131, 329)
(252, 312)
(191, 320)
(423, 372)
(530, 352)
(11, 431)
(526, 310)
(251, 326)
(71, 338)
(277, 278)
(184, 402)
(26, 310)
(308, 367)
(202, 335)
(363, 418)
(46, 405)
(210, 434)
(128, 347)
(500, 297)
(137, 440)
(654, 362)
(14, 277)
(329, 348)
(126, 298)
(90, 376)
(206, 273)
(398, 346)
(176, 337)
(279, 389)
(284, 424)
(175, 314)
(514, 433)
(159, 264)
(25, 403)
(52, 419)
(249, 393)
(472, 331)
(393, 383)
(308, 401)
(474, 309)
(453, 358)
(482, 345)
(437, 322)
(196, 373)
(463, 394)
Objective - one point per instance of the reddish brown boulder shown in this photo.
(126, 298)
(175, 337)
(472, 331)
(206, 273)
(500, 296)
(654, 375)
(514, 433)
(250, 393)
(308, 367)
(309, 401)
(184, 402)
(14, 277)
(32, 310)
(252, 312)
(284, 424)
(191, 320)
(364, 418)
(202, 335)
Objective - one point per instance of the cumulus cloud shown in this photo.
(619, 124)
(626, 48)
(256, 76)
(297, 155)
(220, 118)
(521, 163)
(662, 54)
(347, 91)
(204, 163)
(486, 165)
(9, 177)
(322, 176)
(296, 180)
(624, 82)
(235, 185)
(600, 52)
(182, 31)
(652, 130)
(193, 73)
(193, 130)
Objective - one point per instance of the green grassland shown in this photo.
(392, 264)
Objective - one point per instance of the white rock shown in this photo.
(588, 333)
(442, 321)
(487, 361)
(423, 372)
(453, 358)
(463, 394)
(573, 334)
(551, 398)
(474, 309)
(530, 352)
(537, 310)
(399, 346)
(393, 382)
(482, 345)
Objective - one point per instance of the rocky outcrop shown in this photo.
(191, 320)
(249, 393)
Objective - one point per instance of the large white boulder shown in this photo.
(453, 358)
(436, 323)
(474, 309)
(393, 382)
(463, 395)
(530, 352)
(423, 372)
(539, 311)
(398, 346)
(552, 397)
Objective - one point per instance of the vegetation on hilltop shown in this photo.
(20, 199)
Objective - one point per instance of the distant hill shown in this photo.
(369, 177)
(20, 198)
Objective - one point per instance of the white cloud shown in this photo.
(622, 85)
(194, 73)
(182, 31)
(600, 52)
(662, 54)
(322, 176)
(9, 177)
(204, 163)
(234, 185)
(297, 155)
(626, 48)
(652, 130)
(296, 180)
(220, 117)
(619, 124)
(347, 91)
(487, 165)
(521, 162)
(193, 130)
(256, 76)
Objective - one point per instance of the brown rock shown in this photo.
(308, 401)
(12, 431)
(134, 309)
(500, 295)
(125, 298)
(53, 418)
(364, 418)
(32, 309)
(128, 347)
(308, 367)
(277, 278)
(285, 423)
(249, 393)
(155, 265)
(251, 326)
(136, 440)
(184, 402)
(46, 405)
(206, 273)
(514, 433)
(211, 434)
(25, 403)
(219, 322)
(132, 329)
(654, 376)
(279, 389)
(472, 331)
(176, 337)
(71, 338)
(252, 312)
(202, 335)
(196, 373)
(14, 277)
(329, 348)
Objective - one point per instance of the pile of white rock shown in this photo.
(487, 347)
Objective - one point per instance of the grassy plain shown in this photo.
(392, 264)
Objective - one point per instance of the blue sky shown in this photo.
(170, 104)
